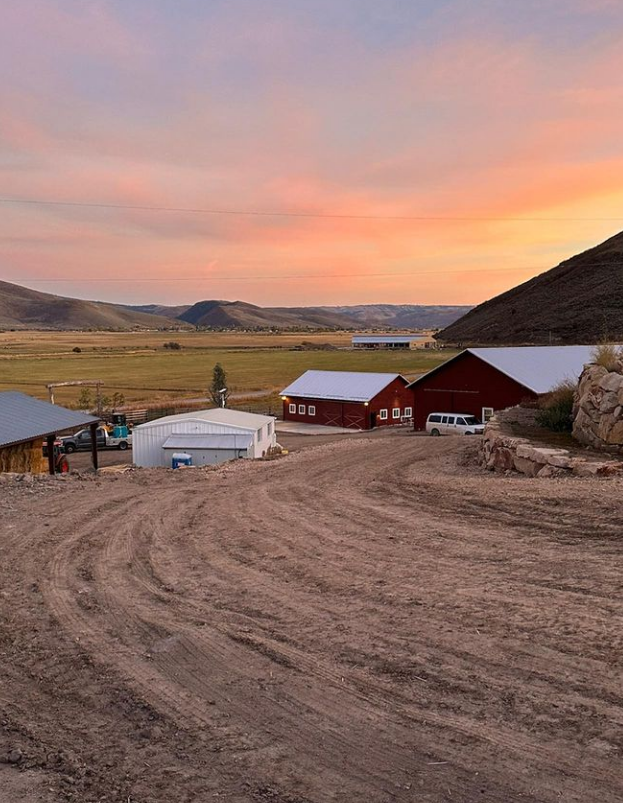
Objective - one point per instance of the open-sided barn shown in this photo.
(25, 423)
(208, 436)
(350, 399)
(481, 380)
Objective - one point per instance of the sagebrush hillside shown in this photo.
(579, 301)
(22, 308)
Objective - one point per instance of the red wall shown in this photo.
(353, 415)
(465, 385)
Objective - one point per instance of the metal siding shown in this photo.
(465, 385)
(147, 441)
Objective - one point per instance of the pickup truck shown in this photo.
(81, 441)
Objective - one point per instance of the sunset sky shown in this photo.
(498, 124)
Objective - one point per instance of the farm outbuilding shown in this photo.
(391, 342)
(26, 423)
(480, 381)
(351, 399)
(208, 436)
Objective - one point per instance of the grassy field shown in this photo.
(138, 366)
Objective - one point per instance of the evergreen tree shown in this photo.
(219, 382)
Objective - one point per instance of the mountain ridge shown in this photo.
(578, 301)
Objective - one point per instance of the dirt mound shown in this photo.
(367, 620)
(580, 301)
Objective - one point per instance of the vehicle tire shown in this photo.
(469, 433)
(69, 448)
(62, 465)
(434, 432)
(123, 446)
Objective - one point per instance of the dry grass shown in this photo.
(608, 355)
(556, 408)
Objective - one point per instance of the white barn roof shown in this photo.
(538, 368)
(218, 415)
(339, 385)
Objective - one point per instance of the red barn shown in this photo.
(482, 380)
(348, 399)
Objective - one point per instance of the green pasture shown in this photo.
(145, 371)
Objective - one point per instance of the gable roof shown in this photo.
(537, 368)
(23, 418)
(217, 415)
(340, 385)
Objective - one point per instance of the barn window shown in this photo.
(408, 412)
(301, 409)
(383, 414)
(487, 414)
(292, 408)
(311, 410)
(396, 412)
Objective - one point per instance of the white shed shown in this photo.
(209, 436)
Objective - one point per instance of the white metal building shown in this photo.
(208, 436)
(392, 342)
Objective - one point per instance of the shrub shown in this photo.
(173, 345)
(556, 408)
(608, 355)
(77, 350)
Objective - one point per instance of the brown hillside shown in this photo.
(21, 308)
(580, 301)
(240, 315)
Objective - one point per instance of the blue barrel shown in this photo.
(181, 459)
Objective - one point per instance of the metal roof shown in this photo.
(242, 441)
(23, 418)
(386, 338)
(538, 368)
(339, 385)
(218, 415)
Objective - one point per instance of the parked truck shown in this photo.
(81, 441)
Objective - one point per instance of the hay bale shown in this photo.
(24, 458)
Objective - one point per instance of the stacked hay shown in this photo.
(23, 459)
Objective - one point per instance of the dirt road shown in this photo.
(369, 620)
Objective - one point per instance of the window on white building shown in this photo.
(383, 414)
(311, 410)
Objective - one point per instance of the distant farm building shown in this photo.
(208, 436)
(26, 423)
(391, 342)
(481, 380)
(348, 399)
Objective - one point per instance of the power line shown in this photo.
(283, 277)
(319, 215)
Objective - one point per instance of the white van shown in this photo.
(453, 424)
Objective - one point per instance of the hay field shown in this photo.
(137, 365)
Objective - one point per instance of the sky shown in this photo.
(418, 151)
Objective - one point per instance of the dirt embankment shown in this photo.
(365, 621)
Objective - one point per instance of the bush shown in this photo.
(77, 350)
(608, 355)
(556, 413)
(173, 345)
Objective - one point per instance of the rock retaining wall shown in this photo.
(500, 450)
(598, 409)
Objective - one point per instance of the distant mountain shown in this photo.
(241, 315)
(21, 308)
(401, 316)
(579, 301)
(159, 309)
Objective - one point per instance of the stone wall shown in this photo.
(500, 450)
(598, 409)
